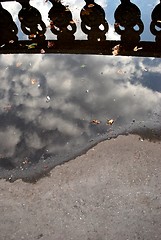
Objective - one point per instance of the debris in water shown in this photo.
(33, 81)
(110, 121)
(95, 121)
(47, 99)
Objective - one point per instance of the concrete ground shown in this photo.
(112, 192)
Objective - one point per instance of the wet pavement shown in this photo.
(55, 107)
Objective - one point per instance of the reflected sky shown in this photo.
(48, 103)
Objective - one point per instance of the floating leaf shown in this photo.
(110, 121)
(95, 121)
(33, 81)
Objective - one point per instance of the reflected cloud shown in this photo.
(9, 138)
(47, 102)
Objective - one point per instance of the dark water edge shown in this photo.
(147, 130)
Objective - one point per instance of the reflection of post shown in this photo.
(61, 22)
(127, 17)
(93, 17)
(8, 28)
(31, 22)
(156, 22)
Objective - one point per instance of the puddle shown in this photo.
(55, 107)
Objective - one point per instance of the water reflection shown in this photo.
(47, 104)
(54, 107)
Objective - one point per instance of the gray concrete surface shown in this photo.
(112, 192)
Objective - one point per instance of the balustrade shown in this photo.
(94, 24)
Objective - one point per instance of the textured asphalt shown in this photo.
(111, 192)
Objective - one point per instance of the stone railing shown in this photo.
(127, 16)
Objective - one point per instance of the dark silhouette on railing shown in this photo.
(93, 24)
(61, 21)
(93, 16)
(128, 16)
(8, 28)
(156, 22)
(31, 22)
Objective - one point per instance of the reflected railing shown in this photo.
(128, 24)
